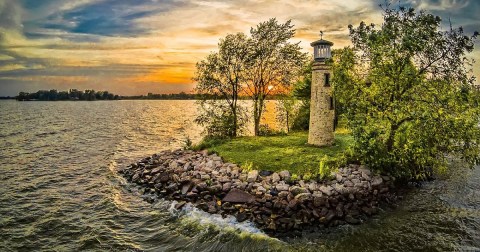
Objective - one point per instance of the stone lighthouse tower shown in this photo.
(322, 107)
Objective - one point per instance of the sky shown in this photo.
(132, 47)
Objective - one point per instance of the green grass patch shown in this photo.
(276, 153)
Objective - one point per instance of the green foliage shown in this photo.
(274, 63)
(302, 92)
(285, 111)
(308, 176)
(294, 178)
(265, 130)
(220, 75)
(276, 153)
(259, 66)
(323, 168)
(407, 94)
(187, 143)
(218, 119)
(72, 94)
(209, 142)
(301, 119)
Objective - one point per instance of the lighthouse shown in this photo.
(322, 107)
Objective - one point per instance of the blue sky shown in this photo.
(138, 46)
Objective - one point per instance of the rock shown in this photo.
(173, 165)
(223, 179)
(283, 194)
(212, 209)
(252, 176)
(331, 214)
(298, 190)
(179, 205)
(340, 188)
(215, 188)
(292, 203)
(172, 187)
(238, 196)
(261, 189)
(164, 177)
(348, 183)
(226, 187)
(187, 187)
(339, 177)
(326, 190)
(365, 176)
(302, 183)
(187, 166)
(356, 181)
(275, 177)
(264, 173)
(350, 220)
(312, 186)
(282, 187)
(155, 171)
(376, 181)
(136, 177)
(191, 195)
(303, 196)
(272, 226)
(241, 217)
(364, 169)
(285, 175)
(209, 164)
(202, 186)
(319, 201)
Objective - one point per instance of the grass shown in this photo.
(276, 153)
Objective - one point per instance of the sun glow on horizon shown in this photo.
(151, 46)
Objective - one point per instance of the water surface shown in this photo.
(60, 190)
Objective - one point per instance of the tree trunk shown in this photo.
(391, 137)
(235, 126)
(288, 128)
(256, 122)
(257, 114)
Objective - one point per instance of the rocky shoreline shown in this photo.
(271, 200)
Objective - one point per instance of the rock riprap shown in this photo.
(273, 201)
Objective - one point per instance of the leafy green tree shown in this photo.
(273, 63)
(302, 92)
(220, 76)
(408, 95)
(285, 110)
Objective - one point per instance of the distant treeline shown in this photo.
(92, 95)
(72, 94)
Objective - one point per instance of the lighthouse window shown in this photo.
(331, 103)
(327, 79)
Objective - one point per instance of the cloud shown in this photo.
(135, 47)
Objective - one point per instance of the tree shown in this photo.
(302, 92)
(285, 110)
(221, 75)
(408, 95)
(273, 63)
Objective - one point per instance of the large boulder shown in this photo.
(238, 196)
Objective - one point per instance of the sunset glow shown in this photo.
(136, 47)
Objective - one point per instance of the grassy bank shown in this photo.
(275, 153)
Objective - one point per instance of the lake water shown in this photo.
(60, 190)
